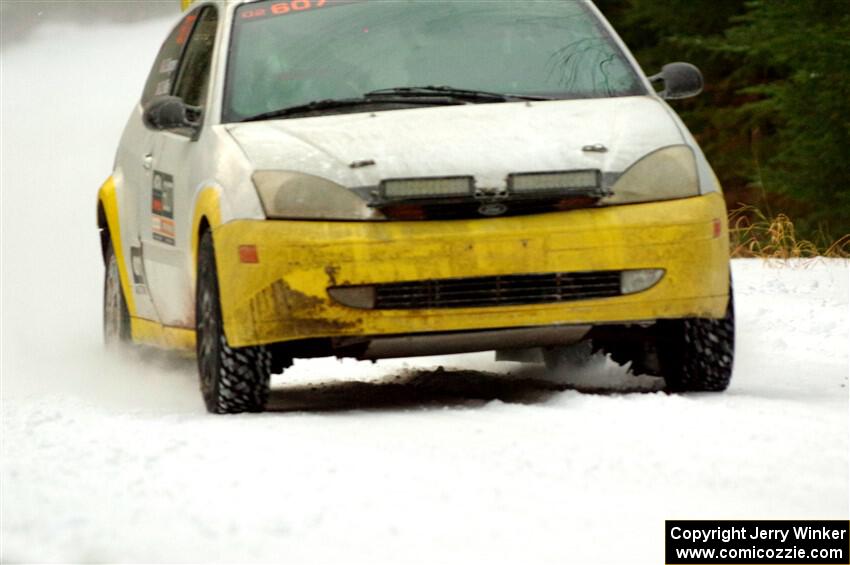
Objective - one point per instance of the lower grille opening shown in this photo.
(505, 290)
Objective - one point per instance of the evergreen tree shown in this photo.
(775, 116)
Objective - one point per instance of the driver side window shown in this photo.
(193, 76)
(164, 71)
(182, 67)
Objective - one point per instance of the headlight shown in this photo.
(299, 196)
(665, 174)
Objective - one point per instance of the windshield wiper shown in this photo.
(406, 95)
(414, 92)
(341, 103)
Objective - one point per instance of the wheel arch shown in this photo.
(109, 229)
(203, 227)
(103, 229)
(206, 217)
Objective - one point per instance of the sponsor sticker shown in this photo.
(162, 208)
(168, 66)
(162, 87)
(138, 265)
(185, 29)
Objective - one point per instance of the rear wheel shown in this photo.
(116, 316)
(700, 352)
(233, 379)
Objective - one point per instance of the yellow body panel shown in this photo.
(284, 296)
(207, 206)
(154, 333)
(143, 331)
(108, 200)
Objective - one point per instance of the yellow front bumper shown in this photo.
(284, 296)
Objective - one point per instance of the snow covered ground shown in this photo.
(103, 459)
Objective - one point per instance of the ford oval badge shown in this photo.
(492, 209)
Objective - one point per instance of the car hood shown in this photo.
(487, 141)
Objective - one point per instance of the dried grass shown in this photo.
(753, 234)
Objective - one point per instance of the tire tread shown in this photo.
(241, 375)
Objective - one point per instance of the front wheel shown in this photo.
(701, 353)
(233, 380)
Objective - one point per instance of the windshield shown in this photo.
(286, 54)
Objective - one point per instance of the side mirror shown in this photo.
(681, 80)
(169, 112)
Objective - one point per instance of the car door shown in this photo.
(177, 167)
(133, 172)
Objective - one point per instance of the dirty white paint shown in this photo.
(488, 141)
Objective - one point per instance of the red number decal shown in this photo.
(258, 13)
(183, 34)
(281, 8)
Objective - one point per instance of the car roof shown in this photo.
(186, 4)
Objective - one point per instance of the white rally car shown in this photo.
(379, 179)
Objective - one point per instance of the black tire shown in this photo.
(701, 353)
(116, 316)
(233, 380)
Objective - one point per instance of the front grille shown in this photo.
(497, 291)
(459, 209)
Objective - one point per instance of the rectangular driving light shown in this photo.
(560, 182)
(426, 188)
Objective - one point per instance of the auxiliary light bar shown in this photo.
(567, 183)
(422, 188)
(553, 182)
